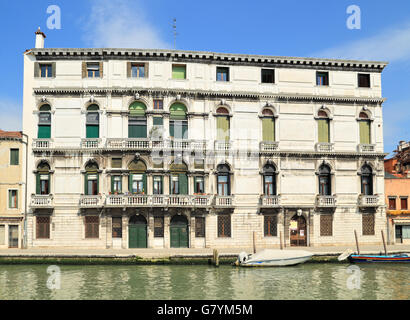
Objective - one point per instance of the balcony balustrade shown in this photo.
(270, 201)
(366, 148)
(325, 147)
(90, 143)
(41, 201)
(368, 201)
(223, 145)
(224, 201)
(325, 201)
(42, 144)
(199, 201)
(90, 201)
(268, 146)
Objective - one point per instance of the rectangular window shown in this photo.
(199, 185)
(158, 188)
(364, 80)
(92, 225)
(116, 163)
(269, 185)
(368, 224)
(2, 235)
(117, 227)
(224, 226)
(222, 74)
(137, 127)
(178, 71)
(43, 227)
(268, 76)
(116, 184)
(392, 203)
(138, 183)
(158, 227)
(138, 70)
(271, 226)
(44, 184)
(13, 236)
(322, 78)
(323, 131)
(158, 104)
(223, 186)
(326, 225)
(93, 70)
(403, 203)
(364, 127)
(46, 71)
(14, 157)
(92, 184)
(13, 199)
(199, 227)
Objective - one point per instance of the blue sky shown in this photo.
(315, 28)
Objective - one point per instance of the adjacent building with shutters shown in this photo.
(138, 148)
(12, 191)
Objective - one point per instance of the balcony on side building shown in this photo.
(41, 201)
(270, 201)
(368, 201)
(221, 145)
(325, 201)
(42, 144)
(325, 147)
(366, 148)
(268, 146)
(91, 143)
(90, 201)
(224, 201)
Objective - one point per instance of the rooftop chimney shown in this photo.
(40, 36)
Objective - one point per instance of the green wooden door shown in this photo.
(137, 235)
(179, 232)
(44, 132)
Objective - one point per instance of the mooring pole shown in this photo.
(216, 258)
(254, 242)
(357, 242)
(384, 244)
(281, 244)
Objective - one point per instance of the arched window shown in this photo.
(367, 180)
(44, 122)
(43, 179)
(178, 121)
(137, 180)
(323, 127)
(222, 124)
(93, 122)
(178, 179)
(224, 180)
(269, 180)
(268, 126)
(91, 179)
(364, 125)
(137, 121)
(325, 180)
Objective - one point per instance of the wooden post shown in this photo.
(254, 242)
(216, 258)
(384, 244)
(357, 242)
(281, 244)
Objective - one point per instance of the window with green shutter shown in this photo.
(268, 129)
(14, 157)
(223, 127)
(93, 122)
(178, 71)
(183, 183)
(364, 132)
(323, 131)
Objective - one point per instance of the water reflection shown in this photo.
(309, 281)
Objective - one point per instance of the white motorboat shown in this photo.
(273, 258)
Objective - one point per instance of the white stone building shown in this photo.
(161, 148)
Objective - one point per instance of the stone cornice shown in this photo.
(202, 56)
(206, 94)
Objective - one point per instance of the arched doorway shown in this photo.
(179, 232)
(298, 231)
(137, 232)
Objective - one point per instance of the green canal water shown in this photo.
(308, 281)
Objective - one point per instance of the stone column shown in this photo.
(124, 231)
(167, 237)
(192, 232)
(108, 231)
(150, 230)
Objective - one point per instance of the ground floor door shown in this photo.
(179, 232)
(13, 236)
(137, 232)
(298, 232)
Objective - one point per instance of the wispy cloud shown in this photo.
(10, 115)
(392, 44)
(121, 24)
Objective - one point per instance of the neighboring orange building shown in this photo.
(397, 190)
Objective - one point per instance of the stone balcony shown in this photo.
(325, 201)
(224, 202)
(42, 144)
(128, 144)
(91, 143)
(147, 144)
(368, 201)
(41, 201)
(267, 146)
(366, 148)
(325, 147)
(179, 201)
(270, 201)
(221, 145)
(91, 201)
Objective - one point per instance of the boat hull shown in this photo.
(276, 262)
(375, 258)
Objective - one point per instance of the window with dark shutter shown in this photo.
(14, 157)
(158, 227)
(92, 225)
(268, 76)
(392, 203)
(43, 227)
(271, 225)
(199, 227)
(364, 80)
(403, 203)
(224, 226)
(368, 224)
(326, 225)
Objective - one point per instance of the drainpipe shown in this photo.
(25, 191)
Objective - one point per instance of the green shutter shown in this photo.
(178, 72)
(223, 128)
(268, 129)
(144, 182)
(323, 130)
(49, 184)
(183, 183)
(9, 198)
(137, 109)
(98, 183)
(364, 132)
(14, 157)
(178, 112)
(158, 121)
(93, 132)
(38, 191)
(44, 132)
(112, 184)
(86, 184)
(130, 183)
